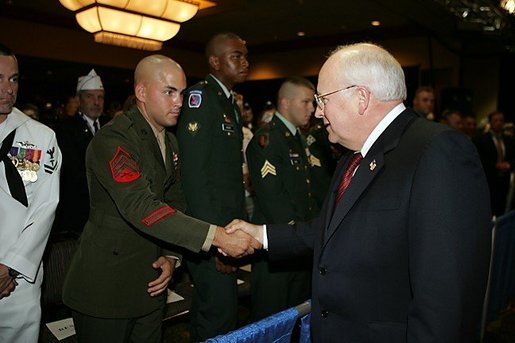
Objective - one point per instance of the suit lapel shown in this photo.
(369, 168)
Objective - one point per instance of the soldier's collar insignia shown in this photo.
(310, 140)
(315, 162)
(193, 127)
(268, 168)
(195, 99)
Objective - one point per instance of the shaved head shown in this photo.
(159, 84)
(149, 68)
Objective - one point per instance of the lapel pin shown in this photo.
(372, 165)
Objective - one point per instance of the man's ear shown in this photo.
(214, 62)
(140, 92)
(364, 99)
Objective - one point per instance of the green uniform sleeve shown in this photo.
(114, 160)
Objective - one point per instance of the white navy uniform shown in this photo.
(24, 230)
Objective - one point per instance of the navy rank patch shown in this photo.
(123, 167)
(51, 165)
(195, 99)
(263, 140)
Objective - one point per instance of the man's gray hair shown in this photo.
(371, 66)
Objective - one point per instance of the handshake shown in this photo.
(239, 238)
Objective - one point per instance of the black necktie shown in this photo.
(236, 109)
(14, 180)
(298, 137)
(96, 126)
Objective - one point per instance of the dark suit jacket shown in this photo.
(73, 136)
(136, 206)
(404, 257)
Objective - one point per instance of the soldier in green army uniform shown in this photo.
(324, 157)
(133, 170)
(210, 137)
(279, 166)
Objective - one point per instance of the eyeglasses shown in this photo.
(321, 99)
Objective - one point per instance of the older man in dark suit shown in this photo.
(401, 247)
(74, 134)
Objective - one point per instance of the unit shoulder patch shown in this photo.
(263, 140)
(195, 99)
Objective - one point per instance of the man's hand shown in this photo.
(224, 268)
(160, 284)
(7, 283)
(256, 231)
(237, 244)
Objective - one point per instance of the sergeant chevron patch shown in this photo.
(123, 167)
(268, 168)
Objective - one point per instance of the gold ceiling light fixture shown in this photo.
(138, 24)
(508, 5)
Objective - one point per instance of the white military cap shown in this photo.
(90, 81)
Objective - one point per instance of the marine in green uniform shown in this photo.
(279, 166)
(117, 279)
(210, 137)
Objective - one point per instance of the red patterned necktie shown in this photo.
(347, 176)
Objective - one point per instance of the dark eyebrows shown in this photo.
(170, 88)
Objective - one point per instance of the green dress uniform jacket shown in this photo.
(211, 142)
(136, 205)
(280, 173)
(210, 138)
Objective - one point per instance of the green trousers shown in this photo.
(145, 329)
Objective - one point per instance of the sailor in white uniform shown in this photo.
(30, 161)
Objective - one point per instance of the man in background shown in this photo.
(74, 134)
(280, 172)
(497, 152)
(210, 138)
(424, 102)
